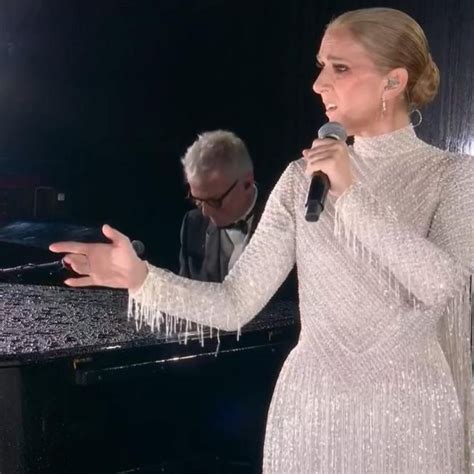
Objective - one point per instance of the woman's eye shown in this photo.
(340, 68)
(319, 65)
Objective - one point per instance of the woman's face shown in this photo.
(350, 85)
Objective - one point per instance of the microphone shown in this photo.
(34, 272)
(320, 184)
(139, 247)
(42, 271)
(47, 267)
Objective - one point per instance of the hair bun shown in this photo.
(426, 87)
(394, 39)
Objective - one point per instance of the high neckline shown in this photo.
(393, 143)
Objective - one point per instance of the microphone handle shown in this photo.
(317, 193)
(49, 266)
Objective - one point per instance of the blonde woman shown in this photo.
(378, 382)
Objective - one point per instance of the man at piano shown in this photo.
(219, 173)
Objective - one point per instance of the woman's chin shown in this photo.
(332, 115)
(335, 116)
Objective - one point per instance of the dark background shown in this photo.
(100, 99)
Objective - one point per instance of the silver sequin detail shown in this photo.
(379, 381)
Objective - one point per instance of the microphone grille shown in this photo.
(333, 130)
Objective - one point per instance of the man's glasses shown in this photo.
(216, 203)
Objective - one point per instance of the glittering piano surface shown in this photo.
(38, 322)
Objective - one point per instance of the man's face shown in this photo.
(221, 198)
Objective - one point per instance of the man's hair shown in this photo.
(220, 151)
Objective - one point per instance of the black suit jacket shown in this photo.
(203, 255)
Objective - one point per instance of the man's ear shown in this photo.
(248, 180)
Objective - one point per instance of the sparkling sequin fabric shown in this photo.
(380, 379)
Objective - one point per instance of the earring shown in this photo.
(420, 117)
(384, 106)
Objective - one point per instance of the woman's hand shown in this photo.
(332, 158)
(114, 264)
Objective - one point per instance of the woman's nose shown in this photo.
(321, 83)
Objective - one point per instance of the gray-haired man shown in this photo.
(219, 172)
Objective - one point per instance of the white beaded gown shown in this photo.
(380, 379)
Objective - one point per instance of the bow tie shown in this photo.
(242, 226)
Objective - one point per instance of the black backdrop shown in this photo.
(104, 96)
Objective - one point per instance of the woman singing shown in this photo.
(379, 381)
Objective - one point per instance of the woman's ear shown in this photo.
(396, 82)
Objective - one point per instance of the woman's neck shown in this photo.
(387, 123)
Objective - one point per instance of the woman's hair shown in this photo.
(394, 40)
(220, 151)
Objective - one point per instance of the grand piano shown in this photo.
(83, 390)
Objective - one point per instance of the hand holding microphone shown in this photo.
(327, 161)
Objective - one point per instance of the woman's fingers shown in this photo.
(113, 264)
(69, 247)
(84, 248)
(320, 146)
(78, 263)
(321, 142)
(312, 151)
(326, 166)
(331, 158)
(114, 235)
(313, 158)
(80, 282)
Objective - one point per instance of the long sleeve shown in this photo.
(255, 277)
(433, 268)
(453, 230)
